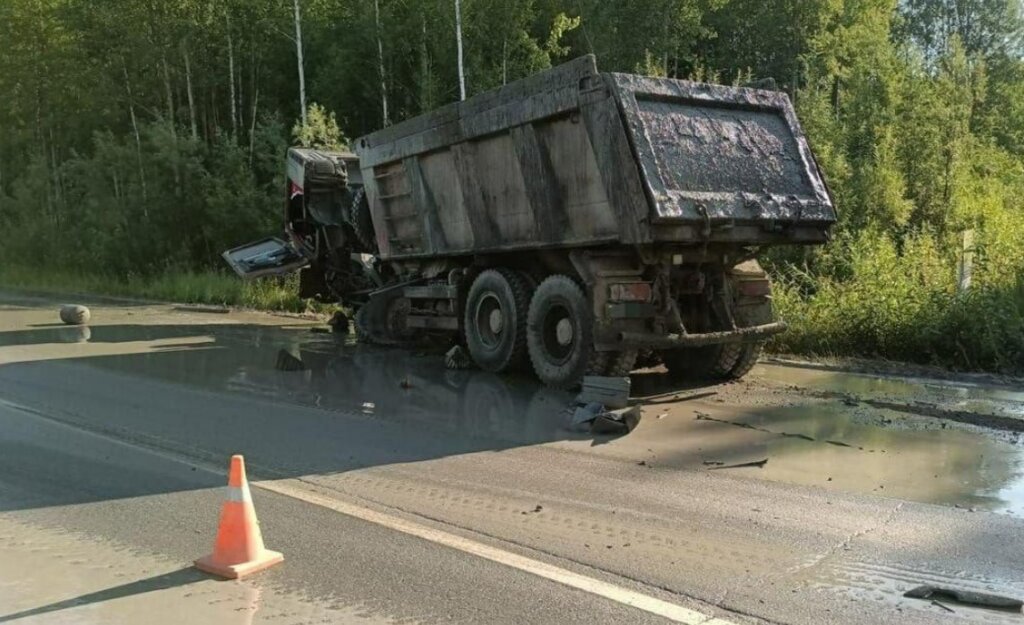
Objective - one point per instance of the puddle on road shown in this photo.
(950, 394)
(807, 440)
(826, 444)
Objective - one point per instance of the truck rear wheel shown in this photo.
(730, 361)
(495, 320)
(560, 332)
(741, 357)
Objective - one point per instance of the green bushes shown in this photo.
(904, 305)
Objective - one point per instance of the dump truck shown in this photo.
(573, 222)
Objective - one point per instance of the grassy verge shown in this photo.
(904, 305)
(173, 286)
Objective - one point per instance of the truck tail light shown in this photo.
(630, 292)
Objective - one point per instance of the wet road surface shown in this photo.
(872, 485)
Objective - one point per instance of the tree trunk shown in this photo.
(138, 138)
(191, 98)
(458, 45)
(169, 92)
(255, 88)
(298, 55)
(172, 126)
(380, 62)
(231, 78)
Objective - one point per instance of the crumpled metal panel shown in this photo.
(709, 152)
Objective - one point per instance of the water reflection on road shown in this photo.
(806, 439)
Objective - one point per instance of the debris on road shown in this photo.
(610, 391)
(943, 606)
(621, 421)
(604, 421)
(288, 362)
(757, 463)
(339, 322)
(74, 314)
(586, 413)
(457, 359)
(965, 597)
(218, 310)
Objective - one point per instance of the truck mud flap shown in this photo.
(266, 257)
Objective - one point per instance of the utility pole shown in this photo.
(298, 53)
(458, 41)
(380, 61)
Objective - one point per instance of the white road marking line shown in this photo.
(625, 596)
(647, 603)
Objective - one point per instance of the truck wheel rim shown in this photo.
(490, 320)
(559, 333)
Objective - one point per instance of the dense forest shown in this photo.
(142, 137)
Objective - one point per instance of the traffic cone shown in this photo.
(239, 549)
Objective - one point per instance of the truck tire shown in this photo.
(381, 320)
(729, 361)
(361, 222)
(737, 359)
(495, 320)
(560, 333)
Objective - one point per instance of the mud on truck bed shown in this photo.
(572, 223)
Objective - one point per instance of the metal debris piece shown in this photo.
(966, 597)
(339, 322)
(288, 362)
(613, 392)
(757, 463)
(74, 314)
(586, 413)
(621, 421)
(457, 359)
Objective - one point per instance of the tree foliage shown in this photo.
(140, 135)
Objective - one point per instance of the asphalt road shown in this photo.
(399, 491)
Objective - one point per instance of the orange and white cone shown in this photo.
(239, 549)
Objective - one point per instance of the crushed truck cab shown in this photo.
(576, 222)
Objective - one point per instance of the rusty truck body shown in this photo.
(573, 222)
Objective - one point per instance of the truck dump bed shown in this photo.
(573, 157)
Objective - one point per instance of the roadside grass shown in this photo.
(904, 305)
(186, 287)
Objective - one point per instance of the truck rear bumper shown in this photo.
(670, 341)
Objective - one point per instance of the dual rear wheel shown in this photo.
(552, 328)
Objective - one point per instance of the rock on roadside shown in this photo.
(74, 314)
